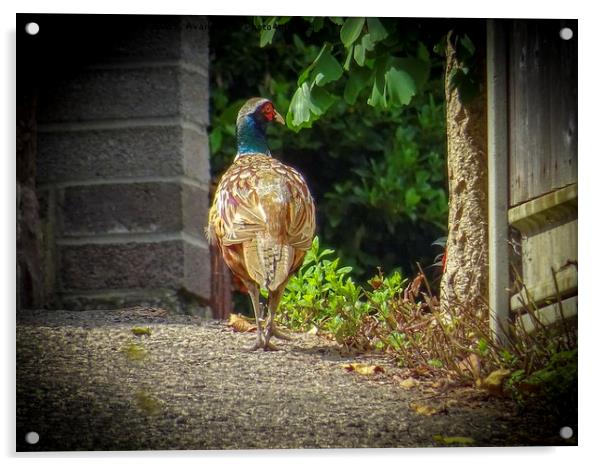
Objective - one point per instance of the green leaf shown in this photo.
(348, 58)
(376, 29)
(378, 96)
(306, 72)
(327, 69)
(351, 30)
(412, 198)
(400, 86)
(299, 107)
(359, 50)
(483, 346)
(358, 79)
(321, 100)
(298, 42)
(359, 54)
(318, 24)
(467, 44)
(435, 363)
(367, 42)
(337, 20)
(267, 34)
(307, 105)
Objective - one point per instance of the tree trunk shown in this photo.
(464, 281)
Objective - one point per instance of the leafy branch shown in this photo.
(374, 64)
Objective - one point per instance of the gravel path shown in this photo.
(86, 382)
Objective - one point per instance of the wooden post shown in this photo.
(221, 286)
(497, 162)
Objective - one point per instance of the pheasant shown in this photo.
(262, 217)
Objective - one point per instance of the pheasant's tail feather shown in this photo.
(267, 262)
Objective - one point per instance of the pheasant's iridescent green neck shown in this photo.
(250, 135)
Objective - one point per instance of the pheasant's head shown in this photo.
(260, 110)
(251, 124)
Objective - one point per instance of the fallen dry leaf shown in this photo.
(440, 384)
(452, 440)
(408, 383)
(425, 410)
(363, 369)
(138, 331)
(494, 382)
(422, 370)
(240, 324)
(313, 330)
(471, 365)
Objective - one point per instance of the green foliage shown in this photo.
(322, 294)
(406, 181)
(552, 387)
(392, 72)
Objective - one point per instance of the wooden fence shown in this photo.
(533, 127)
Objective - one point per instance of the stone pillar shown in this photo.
(123, 168)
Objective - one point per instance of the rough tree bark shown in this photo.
(464, 281)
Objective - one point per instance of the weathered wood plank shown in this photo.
(545, 211)
(545, 289)
(542, 108)
(550, 314)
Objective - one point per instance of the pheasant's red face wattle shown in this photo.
(268, 111)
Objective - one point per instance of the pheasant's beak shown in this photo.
(278, 118)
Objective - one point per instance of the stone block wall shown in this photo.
(123, 167)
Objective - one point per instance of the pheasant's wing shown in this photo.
(301, 215)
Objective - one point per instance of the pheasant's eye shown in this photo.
(268, 111)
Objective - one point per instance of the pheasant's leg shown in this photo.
(254, 294)
(270, 329)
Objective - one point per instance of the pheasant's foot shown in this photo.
(269, 346)
(256, 346)
(276, 332)
(259, 342)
